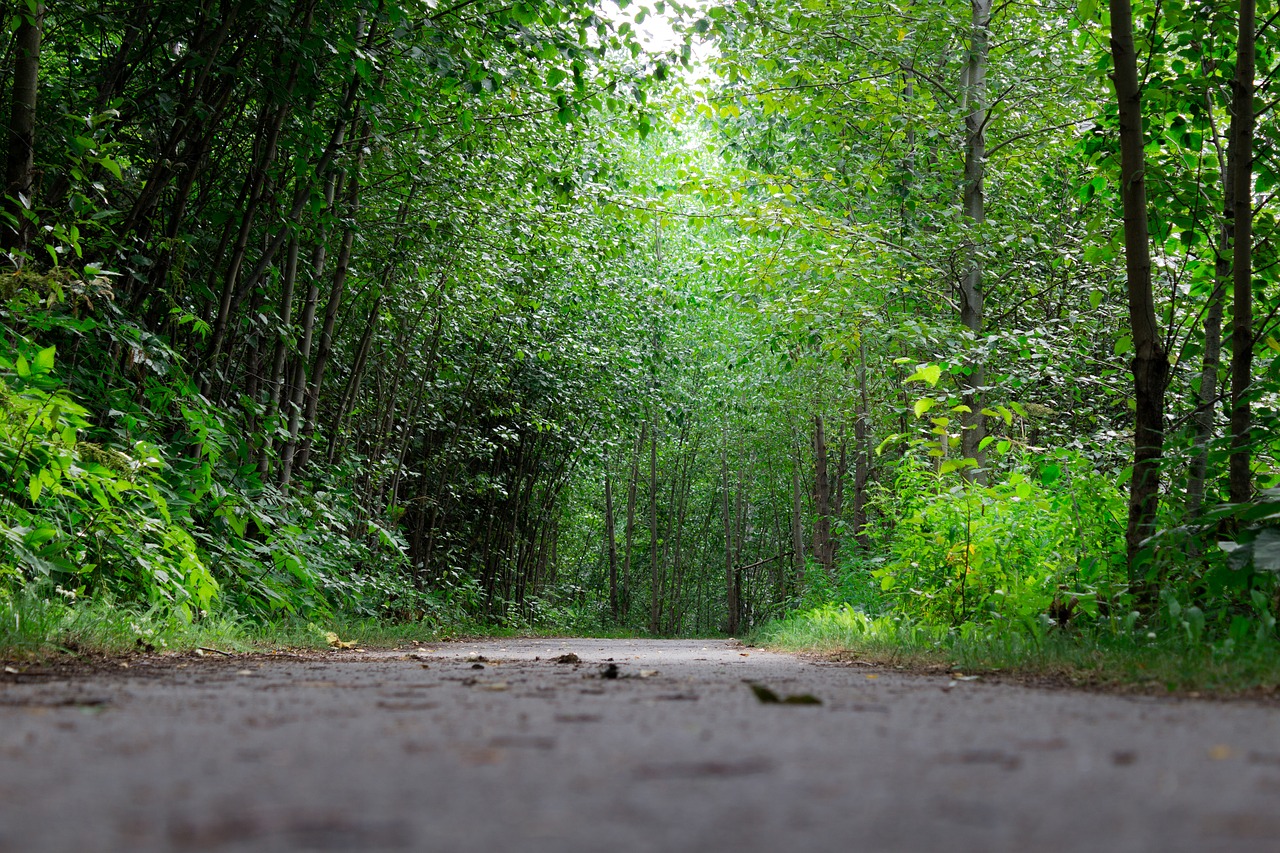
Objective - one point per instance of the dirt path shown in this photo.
(496, 747)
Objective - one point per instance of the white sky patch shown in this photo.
(656, 32)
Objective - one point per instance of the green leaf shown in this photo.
(922, 405)
(43, 362)
(930, 373)
(23, 368)
(1123, 345)
(111, 166)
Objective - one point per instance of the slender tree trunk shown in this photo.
(1240, 478)
(862, 454)
(19, 172)
(352, 391)
(971, 287)
(730, 580)
(611, 542)
(797, 523)
(276, 382)
(821, 497)
(655, 552)
(1150, 364)
(629, 530)
(1212, 359)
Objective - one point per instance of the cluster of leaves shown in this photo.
(1005, 552)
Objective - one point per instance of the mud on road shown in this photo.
(586, 745)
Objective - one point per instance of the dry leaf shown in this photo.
(335, 642)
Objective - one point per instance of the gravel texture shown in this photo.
(618, 745)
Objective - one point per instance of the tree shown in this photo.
(1150, 363)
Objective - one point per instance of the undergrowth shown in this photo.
(1128, 652)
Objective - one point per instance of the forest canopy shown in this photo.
(666, 318)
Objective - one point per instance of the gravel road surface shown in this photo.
(496, 746)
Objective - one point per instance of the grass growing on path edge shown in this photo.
(35, 625)
(1116, 660)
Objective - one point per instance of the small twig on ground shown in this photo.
(216, 651)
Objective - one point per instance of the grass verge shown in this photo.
(36, 623)
(1113, 660)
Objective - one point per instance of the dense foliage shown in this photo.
(487, 311)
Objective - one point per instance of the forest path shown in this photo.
(436, 749)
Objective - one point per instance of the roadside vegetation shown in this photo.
(943, 332)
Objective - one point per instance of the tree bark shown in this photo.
(797, 524)
(862, 454)
(1207, 404)
(972, 313)
(655, 577)
(611, 542)
(822, 551)
(1150, 364)
(630, 526)
(730, 585)
(19, 170)
(1240, 478)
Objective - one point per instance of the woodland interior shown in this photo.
(953, 318)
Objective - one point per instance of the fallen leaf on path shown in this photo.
(1220, 752)
(495, 686)
(335, 642)
(569, 658)
(764, 694)
(769, 697)
(648, 673)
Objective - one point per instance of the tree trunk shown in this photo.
(730, 586)
(862, 455)
(1207, 404)
(19, 173)
(797, 524)
(971, 286)
(655, 577)
(611, 542)
(1150, 364)
(821, 498)
(1240, 478)
(630, 526)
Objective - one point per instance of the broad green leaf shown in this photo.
(43, 362)
(928, 373)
